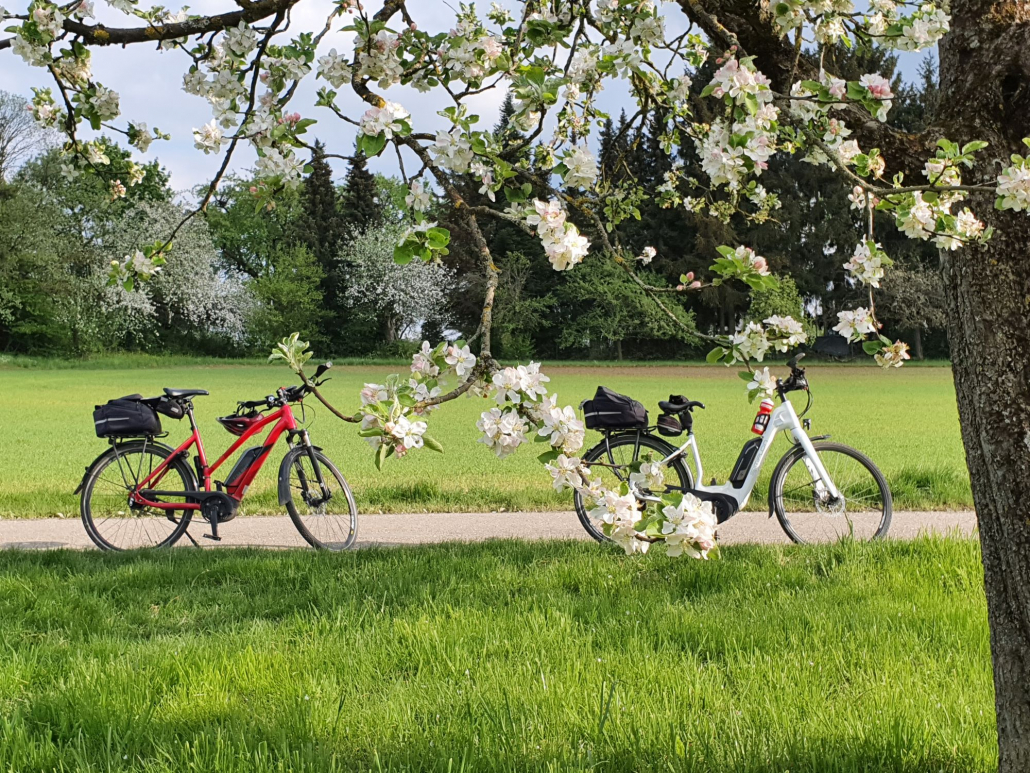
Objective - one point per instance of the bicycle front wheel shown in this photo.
(325, 522)
(115, 524)
(807, 512)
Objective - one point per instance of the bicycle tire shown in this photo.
(120, 455)
(639, 441)
(819, 519)
(293, 461)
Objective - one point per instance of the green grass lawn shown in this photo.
(905, 420)
(498, 656)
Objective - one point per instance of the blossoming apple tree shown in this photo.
(965, 185)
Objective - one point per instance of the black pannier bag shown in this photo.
(610, 410)
(126, 417)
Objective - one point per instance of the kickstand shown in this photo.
(214, 531)
(173, 519)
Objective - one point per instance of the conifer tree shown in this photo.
(359, 202)
(322, 226)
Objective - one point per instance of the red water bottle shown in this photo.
(762, 419)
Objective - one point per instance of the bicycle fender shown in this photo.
(95, 462)
(284, 467)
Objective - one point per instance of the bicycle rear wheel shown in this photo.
(613, 457)
(807, 514)
(326, 523)
(114, 524)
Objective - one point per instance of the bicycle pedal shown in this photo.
(215, 537)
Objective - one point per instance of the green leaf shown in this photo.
(438, 236)
(380, 456)
(372, 146)
(745, 375)
(972, 147)
(432, 444)
(549, 456)
(715, 355)
(871, 347)
(403, 254)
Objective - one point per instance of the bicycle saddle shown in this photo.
(678, 404)
(185, 392)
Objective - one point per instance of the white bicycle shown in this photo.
(819, 491)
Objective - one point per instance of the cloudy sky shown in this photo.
(150, 85)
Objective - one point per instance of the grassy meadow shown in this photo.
(499, 656)
(906, 421)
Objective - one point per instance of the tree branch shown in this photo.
(99, 35)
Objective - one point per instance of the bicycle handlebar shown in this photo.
(290, 394)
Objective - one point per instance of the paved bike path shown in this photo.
(277, 531)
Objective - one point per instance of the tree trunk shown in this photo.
(917, 342)
(985, 94)
(618, 350)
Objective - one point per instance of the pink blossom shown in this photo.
(878, 86)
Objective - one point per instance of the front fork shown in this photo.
(825, 488)
(305, 440)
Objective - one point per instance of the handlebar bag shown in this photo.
(126, 417)
(610, 410)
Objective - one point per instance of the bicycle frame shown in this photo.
(783, 419)
(284, 422)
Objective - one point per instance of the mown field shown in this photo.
(500, 656)
(905, 420)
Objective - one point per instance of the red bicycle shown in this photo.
(142, 493)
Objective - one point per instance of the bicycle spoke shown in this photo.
(813, 516)
(113, 520)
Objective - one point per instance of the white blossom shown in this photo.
(387, 120)
(866, 265)
(582, 167)
(1014, 187)
(418, 197)
(105, 102)
(452, 151)
(762, 382)
(240, 40)
(334, 68)
(689, 527)
(892, 356)
(209, 138)
(565, 472)
(462, 360)
(855, 325)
